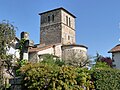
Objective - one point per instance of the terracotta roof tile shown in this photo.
(36, 49)
(115, 49)
(39, 49)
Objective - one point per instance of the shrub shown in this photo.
(37, 76)
(100, 64)
(106, 79)
(43, 76)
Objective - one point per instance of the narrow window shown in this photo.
(67, 20)
(68, 37)
(52, 17)
(48, 18)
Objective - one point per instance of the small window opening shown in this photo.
(52, 17)
(68, 37)
(48, 18)
(67, 20)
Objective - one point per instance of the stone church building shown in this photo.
(57, 36)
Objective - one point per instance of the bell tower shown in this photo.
(57, 26)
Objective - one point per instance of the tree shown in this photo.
(7, 34)
(107, 60)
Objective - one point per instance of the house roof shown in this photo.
(115, 49)
(36, 49)
(61, 8)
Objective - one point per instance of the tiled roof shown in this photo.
(115, 49)
(76, 45)
(61, 8)
(36, 49)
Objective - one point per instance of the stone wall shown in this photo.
(68, 28)
(74, 53)
(50, 34)
(61, 29)
(16, 83)
(50, 28)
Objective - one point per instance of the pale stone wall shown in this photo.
(68, 35)
(46, 51)
(52, 50)
(68, 28)
(74, 51)
(72, 19)
(58, 51)
(116, 58)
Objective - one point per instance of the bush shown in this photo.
(37, 76)
(43, 76)
(106, 79)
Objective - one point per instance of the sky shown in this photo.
(97, 22)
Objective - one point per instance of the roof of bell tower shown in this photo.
(61, 8)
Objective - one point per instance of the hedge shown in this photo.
(106, 79)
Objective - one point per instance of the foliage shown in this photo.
(37, 76)
(20, 63)
(103, 76)
(7, 34)
(44, 76)
(100, 65)
(107, 60)
(52, 59)
(106, 79)
(22, 47)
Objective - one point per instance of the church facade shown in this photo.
(57, 36)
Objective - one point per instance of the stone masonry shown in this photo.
(57, 26)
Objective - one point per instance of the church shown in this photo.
(57, 36)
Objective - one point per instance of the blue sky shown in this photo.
(97, 22)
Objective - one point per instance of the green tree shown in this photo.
(7, 34)
(107, 60)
